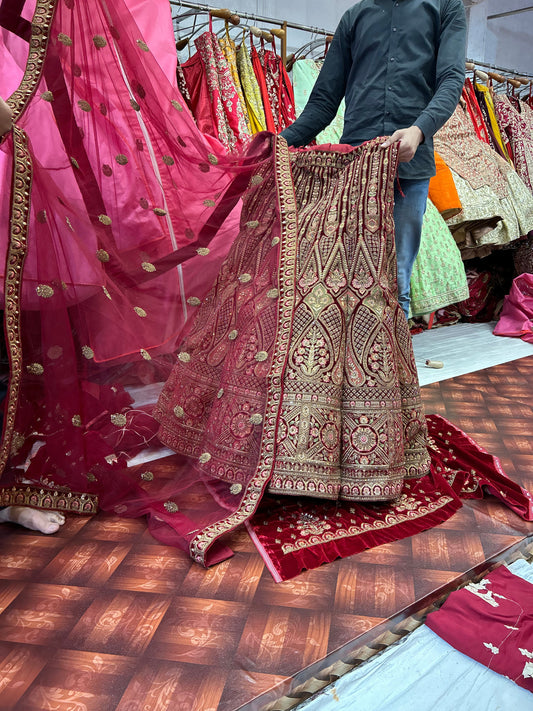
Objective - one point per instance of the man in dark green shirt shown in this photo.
(400, 66)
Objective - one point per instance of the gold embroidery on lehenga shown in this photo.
(393, 519)
(64, 39)
(99, 41)
(253, 491)
(119, 419)
(18, 235)
(50, 500)
(44, 291)
(87, 352)
(35, 369)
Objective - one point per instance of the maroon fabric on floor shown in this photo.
(301, 534)
(492, 622)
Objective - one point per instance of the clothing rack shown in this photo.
(511, 73)
(283, 24)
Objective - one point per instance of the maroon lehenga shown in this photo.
(301, 343)
(294, 376)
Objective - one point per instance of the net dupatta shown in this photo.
(120, 214)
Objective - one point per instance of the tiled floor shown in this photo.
(101, 617)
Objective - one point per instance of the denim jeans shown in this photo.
(409, 210)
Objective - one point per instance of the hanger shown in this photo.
(261, 34)
(329, 40)
(225, 14)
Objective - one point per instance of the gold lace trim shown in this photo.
(86, 504)
(200, 544)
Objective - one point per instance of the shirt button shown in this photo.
(392, 59)
(389, 88)
(387, 113)
(394, 29)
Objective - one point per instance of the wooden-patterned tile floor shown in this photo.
(100, 617)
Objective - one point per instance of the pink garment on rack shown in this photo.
(516, 318)
(214, 98)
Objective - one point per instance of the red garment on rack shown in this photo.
(269, 62)
(276, 88)
(261, 80)
(474, 110)
(288, 106)
(516, 129)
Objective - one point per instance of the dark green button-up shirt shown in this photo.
(398, 63)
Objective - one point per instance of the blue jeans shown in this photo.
(409, 212)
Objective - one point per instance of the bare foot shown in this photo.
(43, 521)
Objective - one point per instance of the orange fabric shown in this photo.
(442, 190)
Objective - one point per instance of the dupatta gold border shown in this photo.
(19, 213)
(288, 250)
(50, 500)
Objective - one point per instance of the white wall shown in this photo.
(504, 42)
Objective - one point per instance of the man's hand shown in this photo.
(6, 118)
(409, 140)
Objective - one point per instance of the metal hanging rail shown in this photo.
(495, 68)
(255, 18)
(510, 12)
